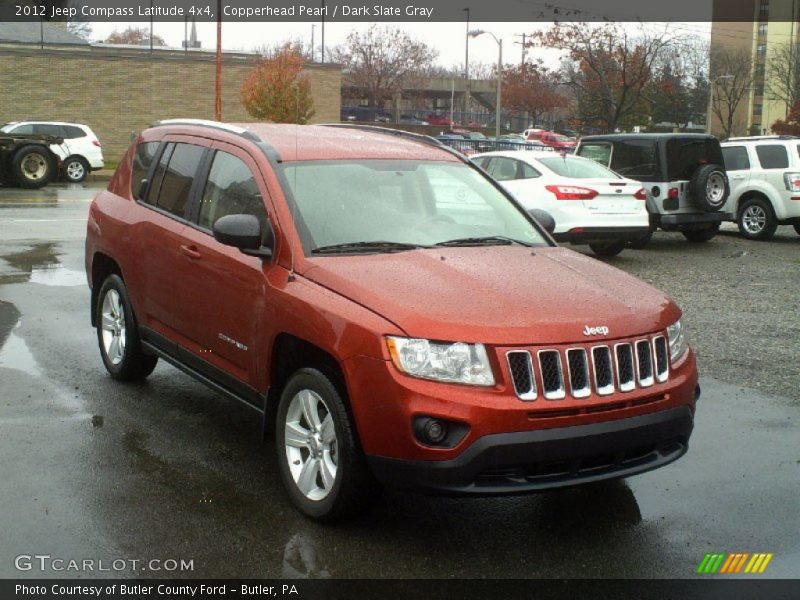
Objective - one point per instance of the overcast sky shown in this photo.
(447, 38)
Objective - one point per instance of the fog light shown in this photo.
(435, 431)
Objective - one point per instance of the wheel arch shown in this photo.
(753, 194)
(102, 266)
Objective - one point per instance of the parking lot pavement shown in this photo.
(166, 469)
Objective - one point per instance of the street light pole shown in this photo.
(498, 103)
(313, 27)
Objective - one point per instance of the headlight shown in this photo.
(678, 344)
(457, 363)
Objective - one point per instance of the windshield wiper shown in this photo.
(493, 240)
(375, 246)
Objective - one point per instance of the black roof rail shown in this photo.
(416, 137)
(245, 133)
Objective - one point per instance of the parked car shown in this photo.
(79, 154)
(439, 120)
(765, 183)
(590, 203)
(683, 174)
(388, 309)
(551, 138)
(411, 120)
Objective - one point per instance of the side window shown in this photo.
(503, 169)
(173, 194)
(48, 129)
(158, 175)
(598, 152)
(772, 156)
(528, 172)
(736, 158)
(145, 153)
(230, 190)
(72, 133)
(23, 130)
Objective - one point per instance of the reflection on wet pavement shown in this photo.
(40, 264)
(58, 276)
(300, 559)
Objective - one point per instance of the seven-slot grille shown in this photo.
(623, 366)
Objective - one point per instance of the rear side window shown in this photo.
(772, 156)
(230, 190)
(636, 159)
(72, 133)
(177, 178)
(503, 169)
(527, 171)
(23, 130)
(684, 156)
(736, 158)
(142, 160)
(47, 129)
(158, 175)
(597, 152)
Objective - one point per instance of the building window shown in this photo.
(761, 49)
(762, 29)
(759, 90)
(760, 70)
(757, 110)
(764, 9)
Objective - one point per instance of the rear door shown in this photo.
(737, 165)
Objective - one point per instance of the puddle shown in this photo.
(15, 355)
(38, 256)
(58, 276)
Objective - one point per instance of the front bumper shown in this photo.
(588, 235)
(529, 461)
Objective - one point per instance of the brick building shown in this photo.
(45, 73)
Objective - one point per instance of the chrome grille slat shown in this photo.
(625, 370)
(578, 366)
(522, 376)
(552, 374)
(624, 366)
(603, 371)
(644, 363)
(662, 358)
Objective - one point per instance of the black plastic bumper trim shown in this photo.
(663, 437)
(602, 234)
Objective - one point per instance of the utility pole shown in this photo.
(464, 117)
(522, 43)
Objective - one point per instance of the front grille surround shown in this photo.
(585, 371)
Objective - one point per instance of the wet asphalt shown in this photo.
(166, 469)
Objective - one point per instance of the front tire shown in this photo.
(756, 220)
(117, 334)
(75, 169)
(608, 249)
(320, 460)
(699, 236)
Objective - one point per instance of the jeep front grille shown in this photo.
(586, 371)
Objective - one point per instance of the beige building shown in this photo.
(762, 28)
(121, 90)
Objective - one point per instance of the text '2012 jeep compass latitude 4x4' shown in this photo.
(392, 312)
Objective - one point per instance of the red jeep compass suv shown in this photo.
(392, 312)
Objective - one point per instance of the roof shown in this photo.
(613, 137)
(320, 142)
(24, 32)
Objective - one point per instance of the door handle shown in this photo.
(191, 252)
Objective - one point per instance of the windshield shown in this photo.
(6, 128)
(402, 202)
(578, 168)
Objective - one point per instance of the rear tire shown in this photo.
(33, 167)
(698, 236)
(756, 220)
(608, 248)
(321, 463)
(117, 334)
(75, 169)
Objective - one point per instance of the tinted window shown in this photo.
(736, 158)
(158, 175)
(45, 129)
(145, 153)
(578, 168)
(23, 129)
(636, 159)
(772, 156)
(684, 155)
(597, 152)
(174, 190)
(230, 190)
(71, 132)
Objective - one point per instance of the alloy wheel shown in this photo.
(113, 327)
(754, 218)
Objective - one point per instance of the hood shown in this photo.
(501, 295)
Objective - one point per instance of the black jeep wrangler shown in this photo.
(683, 173)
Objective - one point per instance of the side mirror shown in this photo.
(244, 232)
(544, 218)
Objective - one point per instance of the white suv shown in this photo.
(79, 154)
(764, 174)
